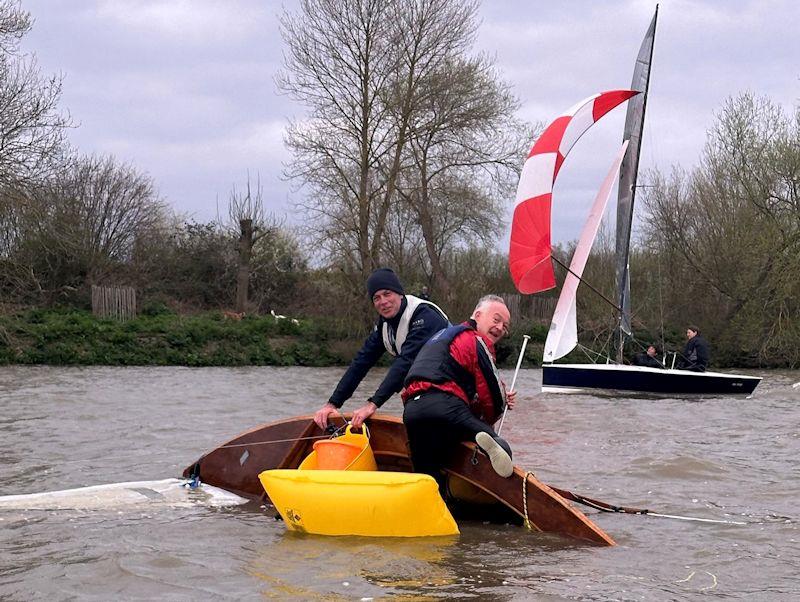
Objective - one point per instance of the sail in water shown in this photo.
(634, 124)
(530, 251)
(563, 335)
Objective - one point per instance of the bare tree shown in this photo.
(31, 127)
(359, 66)
(463, 158)
(79, 228)
(252, 223)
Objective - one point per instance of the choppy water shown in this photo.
(64, 428)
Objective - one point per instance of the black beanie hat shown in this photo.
(383, 278)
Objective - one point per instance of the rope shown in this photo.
(527, 521)
(605, 507)
(326, 436)
(273, 441)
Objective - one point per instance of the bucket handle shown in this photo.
(364, 429)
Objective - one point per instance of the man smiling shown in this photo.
(405, 323)
(453, 392)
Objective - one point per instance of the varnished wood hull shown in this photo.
(235, 466)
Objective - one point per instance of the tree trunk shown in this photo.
(243, 271)
(441, 282)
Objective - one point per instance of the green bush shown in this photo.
(161, 337)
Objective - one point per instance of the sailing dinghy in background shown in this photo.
(530, 252)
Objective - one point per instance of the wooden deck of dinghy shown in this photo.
(235, 466)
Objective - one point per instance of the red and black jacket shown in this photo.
(459, 361)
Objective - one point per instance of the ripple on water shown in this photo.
(715, 458)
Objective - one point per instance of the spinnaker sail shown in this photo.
(563, 335)
(634, 124)
(530, 251)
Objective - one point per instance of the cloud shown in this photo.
(182, 21)
(184, 89)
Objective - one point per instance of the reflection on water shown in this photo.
(358, 566)
(65, 428)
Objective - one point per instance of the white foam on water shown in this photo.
(172, 493)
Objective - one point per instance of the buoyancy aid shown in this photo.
(435, 364)
(393, 339)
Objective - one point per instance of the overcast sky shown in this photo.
(184, 89)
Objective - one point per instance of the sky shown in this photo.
(184, 90)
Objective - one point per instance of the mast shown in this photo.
(634, 125)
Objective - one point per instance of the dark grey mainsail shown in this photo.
(634, 124)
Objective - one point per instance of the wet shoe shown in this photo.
(501, 461)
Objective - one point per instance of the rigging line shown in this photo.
(270, 442)
(606, 507)
(588, 352)
(661, 306)
(274, 441)
(606, 299)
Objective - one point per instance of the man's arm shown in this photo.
(369, 354)
(425, 322)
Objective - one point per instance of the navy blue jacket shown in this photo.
(425, 322)
(695, 354)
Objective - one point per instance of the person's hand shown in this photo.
(511, 399)
(321, 415)
(362, 413)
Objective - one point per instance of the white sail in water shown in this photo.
(563, 335)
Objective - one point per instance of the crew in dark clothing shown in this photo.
(695, 354)
(405, 323)
(453, 392)
(648, 358)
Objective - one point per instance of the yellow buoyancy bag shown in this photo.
(369, 503)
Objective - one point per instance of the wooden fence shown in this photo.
(117, 302)
(524, 308)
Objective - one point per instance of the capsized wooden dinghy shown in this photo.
(235, 466)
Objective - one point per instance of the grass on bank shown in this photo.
(160, 337)
(76, 337)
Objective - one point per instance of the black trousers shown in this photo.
(436, 422)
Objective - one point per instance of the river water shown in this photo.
(62, 428)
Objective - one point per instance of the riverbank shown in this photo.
(74, 337)
(161, 337)
(213, 338)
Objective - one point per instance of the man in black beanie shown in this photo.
(405, 324)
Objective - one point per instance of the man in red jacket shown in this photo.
(453, 392)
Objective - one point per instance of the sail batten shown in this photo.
(563, 334)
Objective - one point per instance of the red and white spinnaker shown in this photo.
(529, 254)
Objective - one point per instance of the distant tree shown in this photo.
(191, 264)
(31, 127)
(252, 223)
(463, 158)
(360, 67)
(79, 228)
(729, 233)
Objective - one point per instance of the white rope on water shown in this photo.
(702, 589)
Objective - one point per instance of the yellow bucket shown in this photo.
(350, 451)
